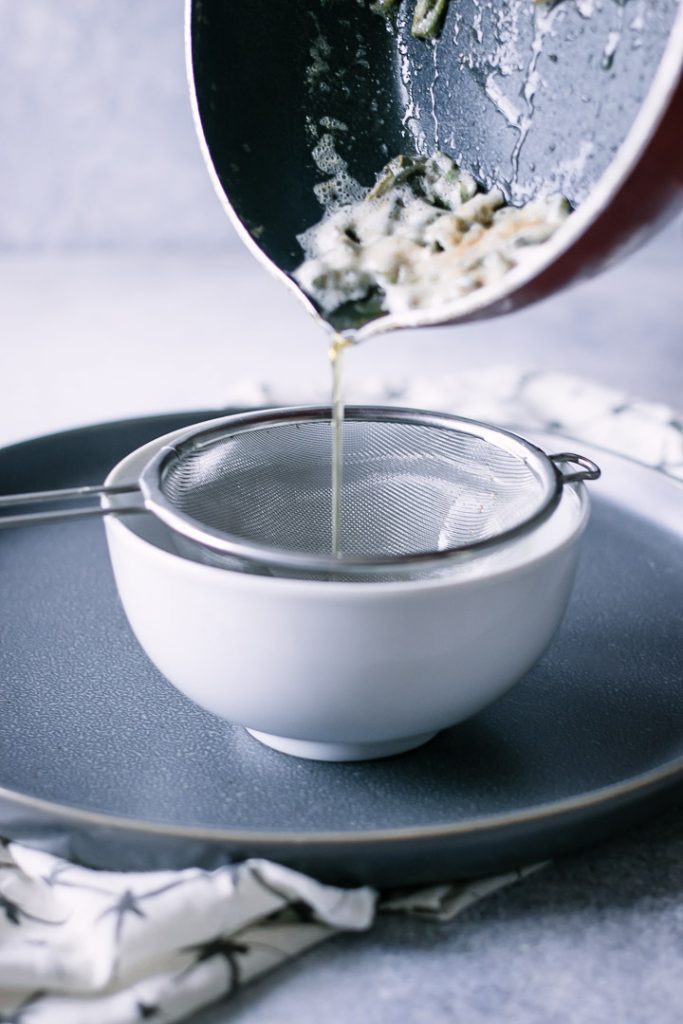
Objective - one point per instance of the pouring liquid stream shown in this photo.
(335, 354)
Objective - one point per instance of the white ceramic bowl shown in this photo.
(335, 670)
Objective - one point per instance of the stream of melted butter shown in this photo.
(335, 353)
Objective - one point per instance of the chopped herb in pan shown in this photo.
(428, 17)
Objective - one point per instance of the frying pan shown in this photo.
(584, 97)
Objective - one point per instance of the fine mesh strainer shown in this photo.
(253, 491)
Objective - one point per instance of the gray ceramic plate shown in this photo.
(102, 760)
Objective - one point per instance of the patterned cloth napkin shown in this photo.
(79, 946)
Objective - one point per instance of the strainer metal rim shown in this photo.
(229, 544)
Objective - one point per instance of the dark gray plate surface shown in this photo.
(91, 734)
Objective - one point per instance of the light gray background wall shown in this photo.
(97, 144)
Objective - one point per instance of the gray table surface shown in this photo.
(590, 939)
(97, 335)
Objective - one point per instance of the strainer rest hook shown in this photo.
(588, 470)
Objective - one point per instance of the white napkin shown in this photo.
(649, 432)
(79, 946)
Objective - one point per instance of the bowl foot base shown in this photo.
(340, 751)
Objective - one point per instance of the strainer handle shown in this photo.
(62, 515)
(587, 470)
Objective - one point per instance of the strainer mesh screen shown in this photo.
(407, 488)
